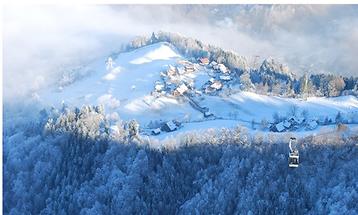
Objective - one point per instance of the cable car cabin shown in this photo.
(293, 158)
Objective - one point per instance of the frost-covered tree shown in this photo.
(109, 64)
(335, 86)
(133, 128)
(339, 118)
(245, 81)
(228, 172)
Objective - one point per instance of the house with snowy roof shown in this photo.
(296, 120)
(156, 131)
(279, 127)
(213, 64)
(222, 68)
(181, 70)
(169, 126)
(171, 71)
(217, 85)
(225, 77)
(286, 124)
(208, 113)
(312, 124)
(180, 90)
(204, 61)
(158, 87)
(189, 68)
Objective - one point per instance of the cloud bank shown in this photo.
(41, 41)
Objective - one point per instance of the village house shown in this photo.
(159, 87)
(223, 68)
(169, 86)
(204, 61)
(216, 67)
(169, 126)
(279, 127)
(183, 62)
(181, 70)
(171, 67)
(180, 90)
(312, 125)
(213, 64)
(171, 71)
(156, 131)
(190, 84)
(208, 114)
(163, 75)
(294, 120)
(189, 68)
(217, 85)
(225, 77)
(286, 124)
(198, 92)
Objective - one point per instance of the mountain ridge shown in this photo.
(155, 84)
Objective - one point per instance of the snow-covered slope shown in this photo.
(248, 106)
(126, 88)
(125, 85)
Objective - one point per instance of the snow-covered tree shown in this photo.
(133, 128)
(110, 64)
(245, 81)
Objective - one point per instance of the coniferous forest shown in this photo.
(65, 162)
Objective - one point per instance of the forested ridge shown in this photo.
(65, 169)
(267, 77)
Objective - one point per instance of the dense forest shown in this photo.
(269, 77)
(66, 162)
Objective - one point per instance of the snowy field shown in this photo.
(216, 125)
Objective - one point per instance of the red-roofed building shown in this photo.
(204, 61)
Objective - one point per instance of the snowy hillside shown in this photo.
(155, 84)
(180, 109)
(125, 86)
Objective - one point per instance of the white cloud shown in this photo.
(39, 41)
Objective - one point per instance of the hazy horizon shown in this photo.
(41, 41)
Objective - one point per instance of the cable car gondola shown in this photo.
(293, 159)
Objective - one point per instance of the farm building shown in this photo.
(159, 87)
(180, 90)
(217, 85)
(181, 70)
(156, 131)
(169, 127)
(204, 61)
(296, 120)
(278, 127)
(312, 125)
(286, 124)
(213, 64)
(225, 77)
(223, 68)
(189, 68)
(183, 62)
(171, 71)
(208, 114)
